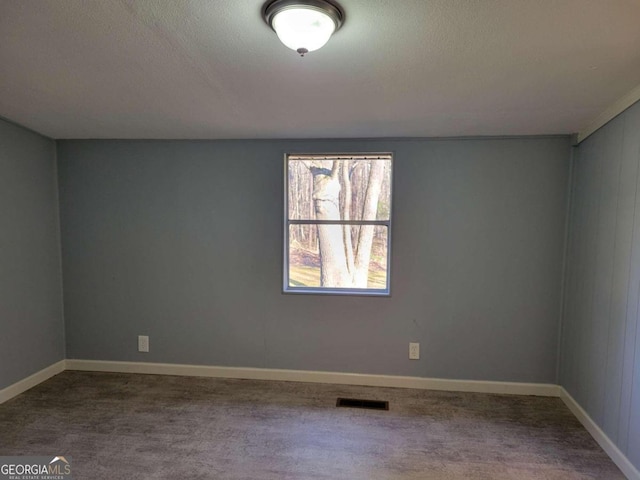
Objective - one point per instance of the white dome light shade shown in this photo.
(303, 28)
(303, 25)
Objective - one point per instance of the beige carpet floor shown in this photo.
(125, 426)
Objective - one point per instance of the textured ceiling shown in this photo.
(213, 69)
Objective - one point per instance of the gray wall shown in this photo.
(182, 241)
(600, 364)
(31, 323)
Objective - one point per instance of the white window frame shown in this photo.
(379, 292)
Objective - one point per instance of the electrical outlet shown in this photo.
(143, 343)
(414, 351)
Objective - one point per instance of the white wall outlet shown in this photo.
(414, 351)
(143, 343)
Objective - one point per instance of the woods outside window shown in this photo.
(337, 223)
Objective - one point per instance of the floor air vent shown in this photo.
(359, 403)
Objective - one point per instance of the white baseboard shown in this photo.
(31, 381)
(541, 389)
(515, 388)
(603, 440)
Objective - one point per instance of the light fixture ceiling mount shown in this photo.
(303, 25)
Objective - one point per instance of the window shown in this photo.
(337, 223)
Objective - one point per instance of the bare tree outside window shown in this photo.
(338, 223)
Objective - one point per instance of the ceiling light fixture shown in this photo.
(303, 25)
